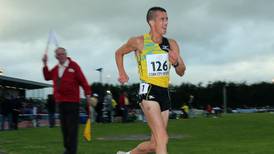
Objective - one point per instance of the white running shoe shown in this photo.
(122, 152)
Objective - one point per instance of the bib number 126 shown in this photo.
(157, 65)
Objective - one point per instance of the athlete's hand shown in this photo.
(123, 78)
(173, 57)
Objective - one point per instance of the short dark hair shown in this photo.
(61, 48)
(151, 12)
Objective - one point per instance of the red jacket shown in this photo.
(122, 101)
(69, 84)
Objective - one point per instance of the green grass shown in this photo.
(230, 134)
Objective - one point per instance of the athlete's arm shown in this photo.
(175, 58)
(129, 46)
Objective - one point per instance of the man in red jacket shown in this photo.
(67, 78)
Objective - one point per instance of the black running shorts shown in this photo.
(155, 93)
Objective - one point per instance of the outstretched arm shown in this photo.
(46, 72)
(176, 59)
(129, 46)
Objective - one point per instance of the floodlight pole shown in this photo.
(225, 98)
(100, 70)
(101, 76)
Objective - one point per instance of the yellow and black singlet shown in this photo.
(153, 63)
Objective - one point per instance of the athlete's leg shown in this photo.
(146, 146)
(149, 146)
(157, 122)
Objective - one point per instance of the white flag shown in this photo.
(51, 39)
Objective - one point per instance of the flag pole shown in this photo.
(47, 46)
(52, 38)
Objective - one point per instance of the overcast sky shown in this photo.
(219, 39)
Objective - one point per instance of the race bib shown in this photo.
(143, 88)
(157, 65)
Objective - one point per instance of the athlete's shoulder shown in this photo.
(136, 39)
(173, 44)
(136, 42)
(172, 41)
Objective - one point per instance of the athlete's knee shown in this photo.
(166, 138)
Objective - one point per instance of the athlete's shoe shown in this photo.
(122, 152)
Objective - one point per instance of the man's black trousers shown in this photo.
(69, 117)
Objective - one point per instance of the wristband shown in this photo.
(176, 64)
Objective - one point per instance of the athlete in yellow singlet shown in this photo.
(153, 62)
(155, 55)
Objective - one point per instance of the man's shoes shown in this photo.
(122, 152)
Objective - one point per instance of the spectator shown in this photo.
(1, 110)
(123, 105)
(107, 107)
(35, 118)
(93, 102)
(208, 110)
(67, 78)
(51, 110)
(185, 110)
(16, 109)
(6, 112)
